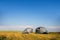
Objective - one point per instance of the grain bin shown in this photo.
(28, 31)
(41, 30)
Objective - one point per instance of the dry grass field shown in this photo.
(13, 35)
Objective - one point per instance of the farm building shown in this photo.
(41, 30)
(28, 31)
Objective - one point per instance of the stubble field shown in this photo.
(14, 35)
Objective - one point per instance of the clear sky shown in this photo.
(30, 12)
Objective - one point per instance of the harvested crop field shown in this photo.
(8, 35)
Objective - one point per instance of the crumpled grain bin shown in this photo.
(41, 30)
(28, 31)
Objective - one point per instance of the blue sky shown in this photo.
(30, 12)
